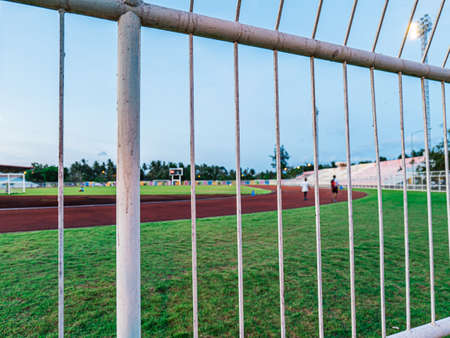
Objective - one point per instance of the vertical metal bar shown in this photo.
(380, 24)
(316, 180)
(430, 219)
(349, 27)
(405, 183)
(447, 181)
(446, 58)
(278, 168)
(405, 204)
(238, 10)
(23, 183)
(238, 182)
(128, 174)
(61, 178)
(379, 186)
(425, 54)
(317, 201)
(350, 206)
(407, 28)
(193, 184)
(280, 12)
(380, 205)
(9, 185)
(349, 183)
(316, 21)
(238, 195)
(279, 200)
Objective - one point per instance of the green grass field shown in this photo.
(145, 190)
(28, 283)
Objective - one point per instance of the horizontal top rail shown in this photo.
(200, 25)
(440, 329)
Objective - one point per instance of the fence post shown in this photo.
(60, 177)
(128, 189)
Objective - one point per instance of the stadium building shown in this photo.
(365, 174)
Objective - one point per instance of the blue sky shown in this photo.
(29, 86)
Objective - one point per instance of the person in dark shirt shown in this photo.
(334, 188)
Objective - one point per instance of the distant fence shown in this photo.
(158, 183)
(414, 181)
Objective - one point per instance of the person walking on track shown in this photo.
(305, 188)
(334, 188)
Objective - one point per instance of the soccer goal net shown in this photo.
(12, 183)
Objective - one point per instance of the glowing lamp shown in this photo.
(414, 30)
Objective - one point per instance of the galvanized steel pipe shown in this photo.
(128, 177)
(447, 183)
(238, 182)
(427, 48)
(193, 184)
(351, 239)
(429, 208)
(317, 200)
(279, 198)
(440, 328)
(61, 179)
(405, 36)
(380, 205)
(201, 25)
(316, 180)
(405, 204)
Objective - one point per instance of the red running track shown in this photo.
(29, 213)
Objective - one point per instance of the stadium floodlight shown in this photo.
(420, 30)
(414, 31)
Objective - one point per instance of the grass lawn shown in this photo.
(28, 283)
(145, 190)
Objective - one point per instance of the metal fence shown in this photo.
(414, 181)
(418, 181)
(131, 15)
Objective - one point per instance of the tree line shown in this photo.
(82, 171)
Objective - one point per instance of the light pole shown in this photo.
(420, 30)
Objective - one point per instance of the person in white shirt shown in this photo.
(305, 188)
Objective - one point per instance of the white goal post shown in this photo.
(10, 182)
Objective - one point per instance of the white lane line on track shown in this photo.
(112, 204)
